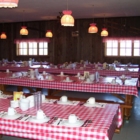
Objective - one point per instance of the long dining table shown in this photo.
(118, 71)
(104, 85)
(102, 125)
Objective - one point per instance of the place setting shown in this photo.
(78, 75)
(50, 101)
(4, 96)
(16, 75)
(49, 78)
(62, 74)
(40, 117)
(72, 121)
(91, 102)
(64, 101)
(88, 81)
(8, 71)
(123, 78)
(113, 82)
(67, 79)
(33, 74)
(44, 73)
(11, 114)
(90, 78)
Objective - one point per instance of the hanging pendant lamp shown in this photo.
(92, 28)
(8, 3)
(104, 32)
(3, 36)
(23, 31)
(67, 19)
(49, 33)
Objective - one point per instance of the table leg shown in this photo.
(19, 88)
(1, 136)
(128, 101)
(3, 87)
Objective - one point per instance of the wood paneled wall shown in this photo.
(63, 47)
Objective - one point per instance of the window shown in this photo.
(125, 48)
(136, 47)
(112, 48)
(30, 47)
(122, 47)
(43, 48)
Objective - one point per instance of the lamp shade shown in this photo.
(67, 19)
(49, 33)
(104, 32)
(92, 28)
(8, 3)
(23, 31)
(3, 36)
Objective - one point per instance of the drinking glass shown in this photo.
(37, 100)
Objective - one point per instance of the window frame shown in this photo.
(119, 40)
(44, 41)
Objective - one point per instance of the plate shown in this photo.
(50, 79)
(62, 75)
(114, 83)
(77, 124)
(4, 96)
(65, 103)
(77, 75)
(8, 72)
(49, 100)
(67, 81)
(34, 119)
(123, 78)
(88, 82)
(14, 77)
(33, 78)
(100, 105)
(11, 117)
(44, 74)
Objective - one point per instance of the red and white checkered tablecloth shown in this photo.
(74, 71)
(101, 72)
(130, 88)
(104, 122)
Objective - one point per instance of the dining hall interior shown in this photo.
(75, 54)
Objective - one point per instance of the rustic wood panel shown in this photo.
(64, 47)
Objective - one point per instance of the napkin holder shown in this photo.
(86, 74)
(17, 95)
(104, 65)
